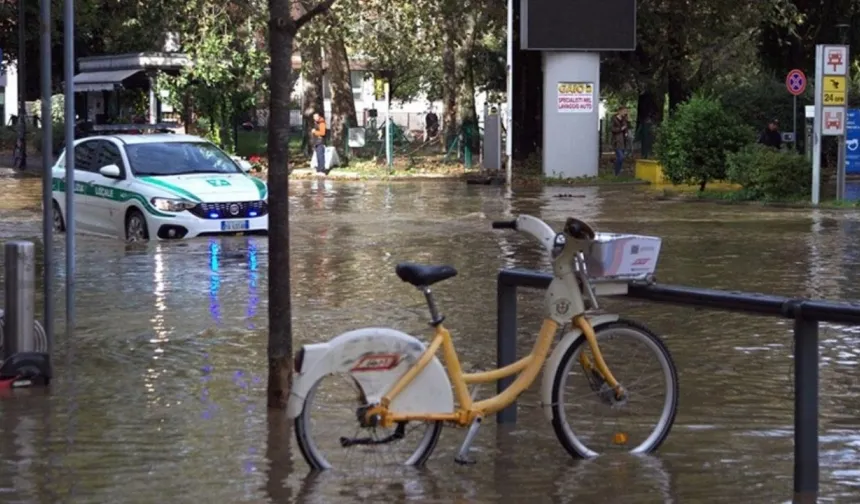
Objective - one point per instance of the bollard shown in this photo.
(20, 266)
(506, 342)
(806, 470)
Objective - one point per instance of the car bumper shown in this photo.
(186, 225)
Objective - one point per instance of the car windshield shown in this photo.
(178, 158)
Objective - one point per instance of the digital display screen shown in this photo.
(585, 25)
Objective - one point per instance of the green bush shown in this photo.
(769, 174)
(693, 143)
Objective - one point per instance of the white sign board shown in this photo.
(575, 97)
(833, 121)
(835, 60)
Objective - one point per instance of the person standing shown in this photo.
(318, 134)
(771, 137)
(620, 126)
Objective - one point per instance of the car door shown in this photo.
(86, 159)
(108, 192)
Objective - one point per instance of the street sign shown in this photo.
(831, 99)
(795, 82)
(834, 90)
(833, 121)
(852, 142)
(835, 60)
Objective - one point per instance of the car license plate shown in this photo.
(234, 225)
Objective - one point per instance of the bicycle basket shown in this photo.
(622, 256)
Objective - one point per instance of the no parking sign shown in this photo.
(795, 82)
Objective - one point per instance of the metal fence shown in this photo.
(806, 313)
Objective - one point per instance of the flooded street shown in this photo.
(160, 396)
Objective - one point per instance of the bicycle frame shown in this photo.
(467, 410)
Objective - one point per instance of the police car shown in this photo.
(159, 186)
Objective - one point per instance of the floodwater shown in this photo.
(159, 395)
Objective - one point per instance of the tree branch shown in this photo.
(308, 16)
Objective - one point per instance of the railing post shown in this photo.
(806, 470)
(506, 341)
(20, 271)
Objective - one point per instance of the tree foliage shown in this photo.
(692, 145)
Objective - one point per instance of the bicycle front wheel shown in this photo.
(587, 417)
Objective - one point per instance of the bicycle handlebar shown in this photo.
(512, 224)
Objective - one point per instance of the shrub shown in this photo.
(692, 145)
(769, 174)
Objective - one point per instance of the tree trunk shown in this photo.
(280, 348)
(679, 89)
(312, 92)
(527, 113)
(449, 78)
(467, 115)
(342, 101)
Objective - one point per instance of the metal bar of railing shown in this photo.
(807, 313)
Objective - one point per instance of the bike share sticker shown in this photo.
(376, 362)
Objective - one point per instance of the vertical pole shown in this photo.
(506, 341)
(794, 122)
(389, 141)
(816, 125)
(840, 170)
(22, 84)
(20, 273)
(806, 468)
(47, 172)
(153, 102)
(69, 98)
(509, 97)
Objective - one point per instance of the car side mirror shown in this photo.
(110, 171)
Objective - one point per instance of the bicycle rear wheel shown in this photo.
(331, 437)
(587, 418)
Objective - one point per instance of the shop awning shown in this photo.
(101, 81)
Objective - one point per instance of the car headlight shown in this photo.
(172, 205)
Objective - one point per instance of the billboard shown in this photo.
(578, 25)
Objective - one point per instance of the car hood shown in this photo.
(211, 187)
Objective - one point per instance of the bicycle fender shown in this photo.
(376, 358)
(551, 367)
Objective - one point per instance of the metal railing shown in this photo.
(806, 313)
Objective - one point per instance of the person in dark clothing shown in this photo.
(318, 134)
(620, 126)
(431, 124)
(771, 137)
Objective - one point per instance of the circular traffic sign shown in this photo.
(795, 82)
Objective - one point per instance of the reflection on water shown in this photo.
(160, 395)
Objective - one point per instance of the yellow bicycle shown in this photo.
(395, 386)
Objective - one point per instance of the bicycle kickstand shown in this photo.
(462, 457)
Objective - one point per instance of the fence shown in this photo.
(806, 314)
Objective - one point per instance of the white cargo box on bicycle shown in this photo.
(396, 386)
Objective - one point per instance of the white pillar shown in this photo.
(571, 114)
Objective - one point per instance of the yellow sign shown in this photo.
(834, 98)
(575, 88)
(834, 90)
(834, 84)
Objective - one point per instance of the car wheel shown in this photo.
(135, 227)
(59, 223)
